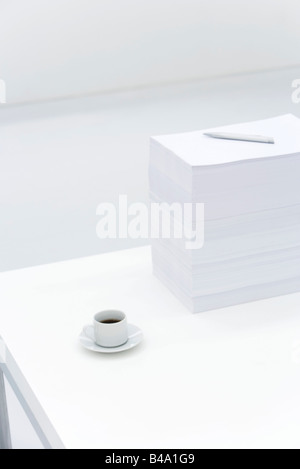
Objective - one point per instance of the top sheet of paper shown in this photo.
(198, 150)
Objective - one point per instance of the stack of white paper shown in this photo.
(251, 195)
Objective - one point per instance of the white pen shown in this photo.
(241, 137)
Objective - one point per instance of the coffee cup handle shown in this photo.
(89, 332)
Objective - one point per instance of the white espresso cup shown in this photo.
(109, 328)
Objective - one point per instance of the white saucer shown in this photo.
(135, 337)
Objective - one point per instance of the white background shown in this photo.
(53, 48)
(60, 158)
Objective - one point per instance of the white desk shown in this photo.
(223, 379)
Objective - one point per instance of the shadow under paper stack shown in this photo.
(251, 194)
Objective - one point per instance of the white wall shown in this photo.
(51, 48)
(60, 159)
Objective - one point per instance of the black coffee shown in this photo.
(110, 321)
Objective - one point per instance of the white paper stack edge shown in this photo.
(251, 193)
